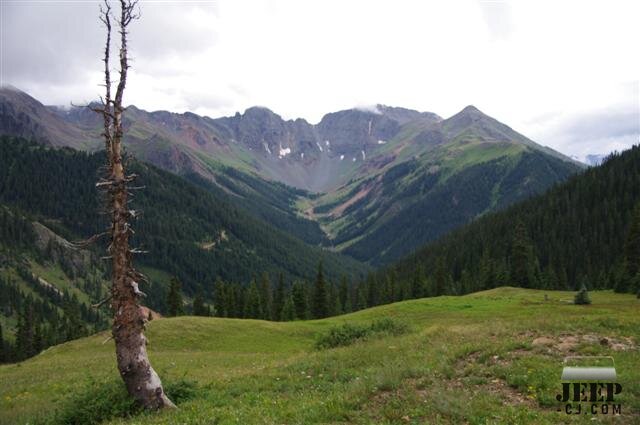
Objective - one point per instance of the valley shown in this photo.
(299, 213)
(344, 183)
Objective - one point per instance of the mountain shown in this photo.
(433, 178)
(576, 233)
(374, 183)
(295, 152)
(23, 116)
(191, 232)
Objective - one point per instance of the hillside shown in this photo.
(191, 232)
(432, 180)
(575, 233)
(378, 171)
(494, 356)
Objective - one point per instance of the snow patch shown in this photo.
(319, 146)
(363, 156)
(302, 155)
(382, 142)
(266, 147)
(326, 142)
(341, 157)
(284, 152)
(373, 109)
(353, 160)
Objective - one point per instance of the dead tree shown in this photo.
(142, 382)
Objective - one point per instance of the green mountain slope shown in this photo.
(470, 164)
(391, 179)
(189, 231)
(573, 234)
(494, 356)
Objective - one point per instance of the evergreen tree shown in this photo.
(24, 335)
(288, 310)
(582, 297)
(222, 299)
(38, 338)
(632, 250)
(442, 278)
(521, 257)
(253, 303)
(299, 295)
(345, 295)
(361, 293)
(417, 282)
(373, 292)
(320, 305)
(3, 348)
(199, 308)
(335, 305)
(174, 298)
(279, 299)
(266, 297)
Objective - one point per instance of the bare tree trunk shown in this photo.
(142, 382)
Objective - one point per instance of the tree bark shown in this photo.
(142, 382)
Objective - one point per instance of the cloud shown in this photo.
(497, 16)
(368, 108)
(70, 37)
(66, 48)
(594, 131)
(555, 61)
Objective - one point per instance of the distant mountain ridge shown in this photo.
(317, 157)
(434, 179)
(374, 183)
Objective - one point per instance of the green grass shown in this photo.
(53, 274)
(469, 359)
(466, 151)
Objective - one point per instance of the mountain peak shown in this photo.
(259, 111)
(9, 87)
(470, 109)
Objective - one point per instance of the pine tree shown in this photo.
(299, 295)
(582, 297)
(288, 312)
(221, 299)
(38, 338)
(345, 295)
(417, 282)
(632, 250)
(373, 291)
(335, 305)
(266, 297)
(3, 348)
(24, 336)
(442, 278)
(320, 305)
(279, 298)
(174, 298)
(199, 308)
(521, 257)
(361, 293)
(253, 303)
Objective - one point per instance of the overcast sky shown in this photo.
(564, 73)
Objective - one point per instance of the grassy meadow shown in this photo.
(493, 357)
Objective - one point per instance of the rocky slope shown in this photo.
(386, 179)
